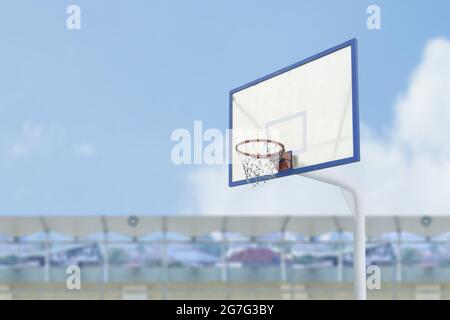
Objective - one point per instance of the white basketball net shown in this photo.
(259, 158)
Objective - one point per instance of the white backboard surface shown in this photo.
(311, 107)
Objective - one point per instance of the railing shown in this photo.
(123, 262)
(268, 274)
(243, 291)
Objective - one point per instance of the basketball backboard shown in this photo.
(310, 109)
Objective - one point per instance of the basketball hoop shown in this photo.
(260, 158)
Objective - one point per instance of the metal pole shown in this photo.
(283, 272)
(165, 267)
(398, 271)
(359, 230)
(47, 258)
(340, 264)
(224, 259)
(105, 249)
(224, 251)
(106, 258)
(398, 265)
(47, 249)
(225, 267)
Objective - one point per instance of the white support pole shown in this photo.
(359, 230)
(359, 256)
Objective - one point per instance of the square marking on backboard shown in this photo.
(292, 123)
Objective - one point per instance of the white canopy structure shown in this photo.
(81, 226)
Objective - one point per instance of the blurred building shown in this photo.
(199, 257)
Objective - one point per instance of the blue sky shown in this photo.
(91, 111)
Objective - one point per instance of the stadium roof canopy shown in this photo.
(137, 226)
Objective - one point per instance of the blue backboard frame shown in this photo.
(353, 44)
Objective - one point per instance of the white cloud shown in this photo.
(423, 113)
(407, 172)
(34, 138)
(287, 196)
(84, 150)
(40, 139)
